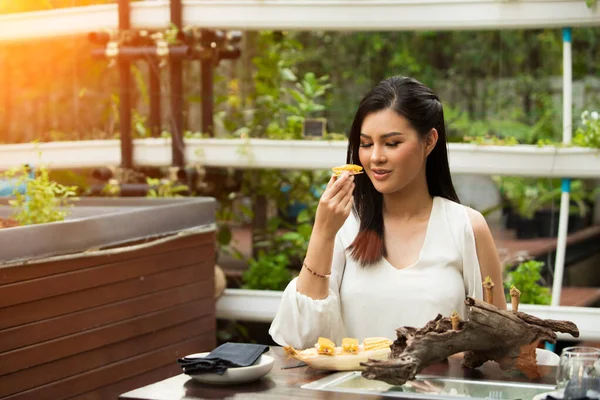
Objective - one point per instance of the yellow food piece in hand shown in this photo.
(352, 168)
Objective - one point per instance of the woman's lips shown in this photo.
(381, 174)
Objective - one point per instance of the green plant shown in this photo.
(281, 244)
(335, 136)
(489, 131)
(267, 272)
(548, 142)
(295, 195)
(112, 188)
(509, 127)
(580, 196)
(528, 195)
(491, 140)
(528, 279)
(233, 331)
(521, 193)
(44, 200)
(165, 188)
(588, 134)
(280, 102)
(307, 92)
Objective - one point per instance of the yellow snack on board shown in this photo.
(325, 346)
(350, 345)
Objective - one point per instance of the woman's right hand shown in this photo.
(335, 205)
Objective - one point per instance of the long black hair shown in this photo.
(417, 103)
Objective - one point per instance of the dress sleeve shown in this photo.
(300, 320)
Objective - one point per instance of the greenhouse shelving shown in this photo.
(519, 160)
(309, 15)
(262, 305)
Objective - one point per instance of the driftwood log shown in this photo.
(488, 334)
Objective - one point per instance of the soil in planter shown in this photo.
(8, 223)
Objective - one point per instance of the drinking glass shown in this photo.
(578, 366)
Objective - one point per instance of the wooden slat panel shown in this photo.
(111, 373)
(82, 362)
(73, 344)
(91, 318)
(71, 302)
(32, 271)
(103, 274)
(115, 390)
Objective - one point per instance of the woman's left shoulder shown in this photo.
(481, 230)
(478, 222)
(461, 216)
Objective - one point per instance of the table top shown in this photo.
(286, 382)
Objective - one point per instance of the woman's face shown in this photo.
(391, 151)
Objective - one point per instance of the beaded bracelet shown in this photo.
(315, 273)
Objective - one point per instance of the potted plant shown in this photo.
(582, 200)
(521, 194)
(532, 206)
(37, 199)
(527, 277)
(547, 213)
(588, 133)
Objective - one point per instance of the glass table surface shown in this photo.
(430, 387)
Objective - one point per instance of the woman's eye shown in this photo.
(366, 144)
(392, 144)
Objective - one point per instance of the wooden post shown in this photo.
(206, 88)
(125, 92)
(7, 91)
(155, 93)
(176, 75)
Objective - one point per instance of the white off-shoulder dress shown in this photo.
(374, 301)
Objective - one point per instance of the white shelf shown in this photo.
(519, 160)
(310, 15)
(248, 305)
(587, 319)
(262, 305)
(525, 160)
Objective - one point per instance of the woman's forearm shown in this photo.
(333, 210)
(319, 256)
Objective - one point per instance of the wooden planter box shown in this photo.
(107, 301)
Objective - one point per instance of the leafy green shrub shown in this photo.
(165, 188)
(43, 201)
(588, 134)
(527, 278)
(267, 272)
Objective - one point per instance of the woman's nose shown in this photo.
(377, 157)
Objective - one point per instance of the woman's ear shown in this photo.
(430, 141)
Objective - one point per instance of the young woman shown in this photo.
(409, 250)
